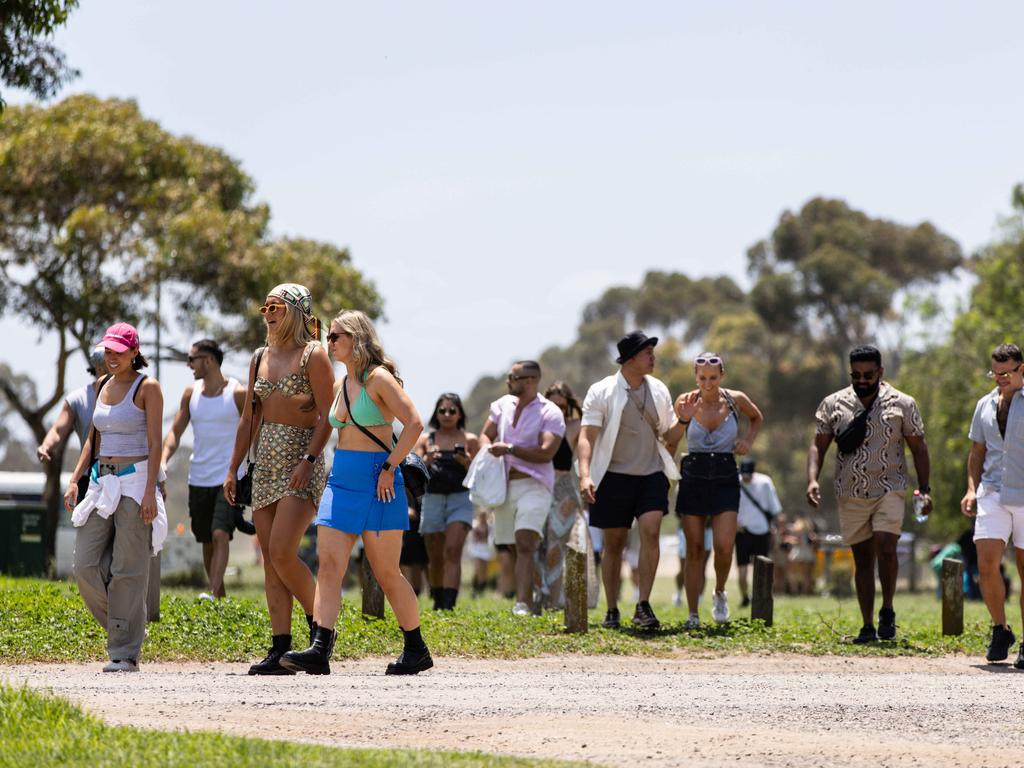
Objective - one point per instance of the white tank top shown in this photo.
(122, 426)
(214, 423)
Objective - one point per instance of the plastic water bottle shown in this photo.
(920, 510)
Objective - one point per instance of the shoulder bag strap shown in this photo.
(92, 427)
(352, 418)
(252, 404)
(731, 402)
(768, 516)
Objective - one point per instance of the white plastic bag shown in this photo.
(486, 479)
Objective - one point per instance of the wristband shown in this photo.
(311, 458)
(511, 450)
(924, 489)
(387, 466)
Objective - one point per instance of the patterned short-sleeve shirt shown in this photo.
(879, 465)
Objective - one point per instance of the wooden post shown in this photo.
(373, 595)
(952, 597)
(574, 581)
(153, 589)
(762, 603)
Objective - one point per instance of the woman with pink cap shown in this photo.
(291, 385)
(121, 520)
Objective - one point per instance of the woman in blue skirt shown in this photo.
(365, 494)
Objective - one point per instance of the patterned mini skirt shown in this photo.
(281, 448)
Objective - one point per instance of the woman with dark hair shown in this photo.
(566, 504)
(120, 520)
(447, 512)
(710, 483)
(289, 391)
(365, 494)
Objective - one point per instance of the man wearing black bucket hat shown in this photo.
(625, 468)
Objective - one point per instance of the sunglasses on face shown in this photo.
(520, 377)
(448, 411)
(858, 376)
(710, 360)
(192, 358)
(333, 336)
(269, 309)
(1002, 374)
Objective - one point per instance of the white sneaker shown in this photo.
(121, 665)
(206, 596)
(677, 600)
(520, 609)
(693, 622)
(720, 609)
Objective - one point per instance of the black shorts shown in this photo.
(210, 512)
(620, 499)
(749, 545)
(709, 484)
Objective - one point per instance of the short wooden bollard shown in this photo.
(153, 589)
(762, 602)
(952, 597)
(373, 595)
(575, 585)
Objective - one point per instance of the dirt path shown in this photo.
(771, 711)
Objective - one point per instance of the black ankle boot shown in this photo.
(414, 659)
(315, 660)
(448, 598)
(437, 595)
(271, 665)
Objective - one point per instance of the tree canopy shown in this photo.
(28, 59)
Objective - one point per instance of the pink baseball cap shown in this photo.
(120, 337)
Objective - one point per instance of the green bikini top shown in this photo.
(364, 410)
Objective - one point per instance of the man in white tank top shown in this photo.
(212, 405)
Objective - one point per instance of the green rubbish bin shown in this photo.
(22, 537)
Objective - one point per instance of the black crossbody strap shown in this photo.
(252, 405)
(768, 516)
(352, 418)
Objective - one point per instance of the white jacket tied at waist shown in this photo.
(105, 494)
(603, 407)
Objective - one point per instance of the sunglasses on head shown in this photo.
(448, 411)
(269, 309)
(709, 360)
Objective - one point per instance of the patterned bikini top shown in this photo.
(293, 384)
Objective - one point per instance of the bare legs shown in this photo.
(280, 528)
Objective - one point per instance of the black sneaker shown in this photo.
(867, 635)
(745, 601)
(611, 619)
(1019, 663)
(644, 618)
(886, 624)
(999, 646)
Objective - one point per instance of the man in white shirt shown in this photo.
(759, 504)
(625, 467)
(213, 407)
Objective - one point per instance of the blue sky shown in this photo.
(494, 168)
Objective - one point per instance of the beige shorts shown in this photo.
(526, 507)
(860, 518)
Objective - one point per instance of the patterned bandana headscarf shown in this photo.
(299, 298)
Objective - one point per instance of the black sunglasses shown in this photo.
(192, 358)
(869, 376)
(333, 337)
(448, 411)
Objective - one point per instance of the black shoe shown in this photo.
(644, 618)
(611, 619)
(886, 624)
(315, 660)
(410, 663)
(867, 635)
(271, 665)
(999, 646)
(1019, 663)
(745, 601)
(241, 524)
(437, 595)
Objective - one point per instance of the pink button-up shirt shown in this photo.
(539, 415)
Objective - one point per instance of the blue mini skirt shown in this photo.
(350, 501)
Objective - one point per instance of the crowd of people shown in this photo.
(595, 475)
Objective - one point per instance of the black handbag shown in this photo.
(414, 470)
(243, 491)
(850, 439)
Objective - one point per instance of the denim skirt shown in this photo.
(350, 501)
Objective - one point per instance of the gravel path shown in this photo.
(770, 711)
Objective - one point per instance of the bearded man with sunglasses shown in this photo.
(212, 406)
(995, 484)
(871, 422)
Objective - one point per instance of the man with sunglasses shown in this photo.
(871, 422)
(995, 484)
(625, 468)
(213, 406)
(526, 428)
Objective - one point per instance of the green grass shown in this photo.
(42, 730)
(47, 621)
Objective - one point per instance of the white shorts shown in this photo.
(709, 544)
(526, 507)
(996, 520)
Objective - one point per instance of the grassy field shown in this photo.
(41, 730)
(47, 621)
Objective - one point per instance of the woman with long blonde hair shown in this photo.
(290, 382)
(365, 494)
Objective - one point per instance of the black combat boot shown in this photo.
(271, 665)
(315, 660)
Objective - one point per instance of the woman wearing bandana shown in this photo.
(290, 387)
